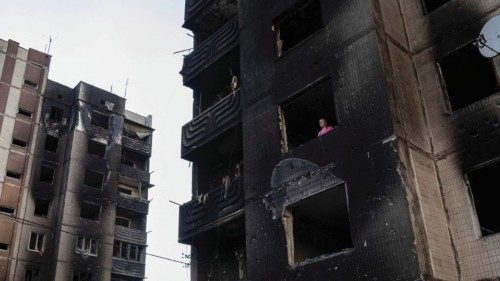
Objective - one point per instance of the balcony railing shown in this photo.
(128, 268)
(210, 123)
(193, 7)
(220, 43)
(130, 235)
(140, 146)
(135, 204)
(134, 173)
(198, 215)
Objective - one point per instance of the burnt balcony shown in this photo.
(128, 268)
(210, 124)
(198, 216)
(206, 15)
(130, 235)
(134, 173)
(140, 146)
(138, 205)
(216, 48)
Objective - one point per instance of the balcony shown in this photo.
(200, 13)
(130, 235)
(138, 205)
(210, 124)
(211, 50)
(196, 217)
(139, 146)
(128, 268)
(134, 173)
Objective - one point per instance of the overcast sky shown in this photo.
(104, 42)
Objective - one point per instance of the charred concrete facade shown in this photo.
(398, 191)
(83, 210)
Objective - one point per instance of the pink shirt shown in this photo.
(325, 130)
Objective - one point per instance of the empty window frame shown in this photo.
(318, 225)
(90, 211)
(51, 143)
(13, 175)
(47, 174)
(100, 119)
(7, 210)
(128, 251)
(483, 184)
(37, 241)
(56, 114)
(300, 115)
(93, 179)
(431, 5)
(41, 207)
(82, 276)
(86, 246)
(32, 275)
(25, 113)
(97, 149)
(468, 77)
(30, 84)
(122, 222)
(19, 143)
(4, 247)
(296, 25)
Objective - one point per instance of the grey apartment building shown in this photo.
(75, 177)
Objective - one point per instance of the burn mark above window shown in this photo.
(483, 184)
(296, 25)
(100, 119)
(47, 174)
(431, 5)
(97, 149)
(468, 77)
(299, 116)
(56, 114)
(41, 207)
(51, 143)
(90, 211)
(93, 179)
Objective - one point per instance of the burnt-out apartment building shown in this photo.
(404, 186)
(83, 195)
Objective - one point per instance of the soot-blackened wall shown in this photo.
(362, 146)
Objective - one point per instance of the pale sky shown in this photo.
(104, 42)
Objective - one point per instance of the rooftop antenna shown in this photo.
(126, 86)
(111, 88)
(48, 45)
(488, 41)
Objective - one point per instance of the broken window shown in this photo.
(468, 77)
(484, 194)
(37, 241)
(82, 276)
(299, 117)
(122, 222)
(96, 149)
(431, 5)
(32, 275)
(100, 119)
(56, 114)
(125, 191)
(86, 246)
(24, 113)
(41, 207)
(4, 247)
(13, 175)
(316, 226)
(20, 143)
(296, 25)
(129, 186)
(7, 210)
(93, 179)
(47, 174)
(128, 251)
(90, 211)
(51, 143)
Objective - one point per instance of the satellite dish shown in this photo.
(489, 38)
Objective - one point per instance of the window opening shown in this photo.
(483, 184)
(122, 222)
(41, 207)
(86, 246)
(125, 191)
(31, 84)
(56, 114)
(83, 276)
(51, 143)
(4, 247)
(7, 210)
(90, 211)
(20, 143)
(431, 5)
(128, 251)
(468, 77)
(24, 113)
(47, 174)
(93, 179)
(296, 25)
(13, 175)
(100, 119)
(96, 149)
(37, 241)
(32, 275)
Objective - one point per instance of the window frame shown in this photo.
(89, 246)
(38, 249)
